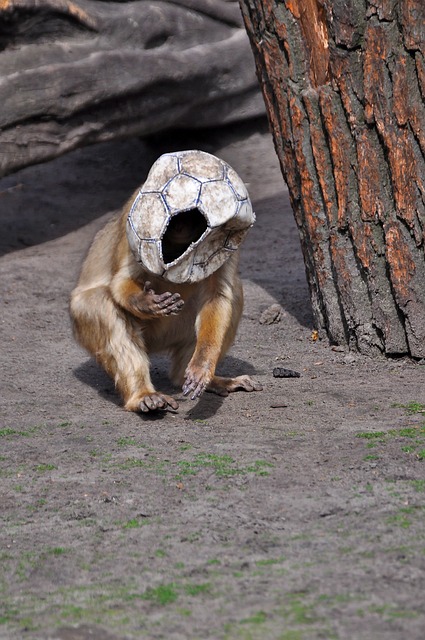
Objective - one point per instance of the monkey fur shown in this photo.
(121, 313)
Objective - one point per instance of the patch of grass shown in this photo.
(371, 456)
(298, 612)
(418, 485)
(13, 432)
(126, 442)
(38, 503)
(412, 407)
(411, 432)
(154, 466)
(133, 523)
(194, 536)
(56, 551)
(42, 468)
(371, 435)
(270, 561)
(392, 611)
(197, 589)
(224, 466)
(185, 447)
(7, 432)
(339, 598)
(27, 562)
(415, 434)
(162, 595)
(400, 520)
(9, 614)
(257, 618)
(72, 611)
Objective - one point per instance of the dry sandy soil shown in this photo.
(293, 513)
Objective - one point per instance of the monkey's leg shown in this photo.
(223, 386)
(115, 339)
(217, 324)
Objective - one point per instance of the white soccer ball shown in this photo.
(189, 185)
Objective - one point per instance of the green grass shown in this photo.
(151, 465)
(57, 551)
(415, 436)
(412, 407)
(42, 468)
(392, 611)
(128, 441)
(409, 448)
(297, 611)
(7, 431)
(371, 435)
(133, 523)
(256, 618)
(270, 561)
(418, 485)
(223, 466)
(162, 595)
(401, 518)
(197, 589)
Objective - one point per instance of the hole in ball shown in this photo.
(183, 229)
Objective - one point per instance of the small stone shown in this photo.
(272, 315)
(281, 372)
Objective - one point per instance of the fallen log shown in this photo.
(74, 73)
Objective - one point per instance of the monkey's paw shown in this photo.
(163, 304)
(156, 401)
(196, 381)
(224, 386)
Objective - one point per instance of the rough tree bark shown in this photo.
(344, 87)
(75, 72)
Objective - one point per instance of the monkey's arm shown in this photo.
(212, 326)
(142, 301)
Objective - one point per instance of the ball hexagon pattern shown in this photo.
(189, 188)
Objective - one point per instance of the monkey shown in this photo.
(121, 313)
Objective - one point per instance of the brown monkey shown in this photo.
(121, 313)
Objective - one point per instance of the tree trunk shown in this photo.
(76, 72)
(344, 83)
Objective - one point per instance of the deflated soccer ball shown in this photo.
(195, 188)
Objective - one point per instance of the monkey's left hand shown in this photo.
(197, 378)
(151, 304)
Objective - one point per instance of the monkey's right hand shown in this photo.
(156, 401)
(151, 304)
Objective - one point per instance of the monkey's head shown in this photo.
(190, 215)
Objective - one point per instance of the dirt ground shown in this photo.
(295, 513)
